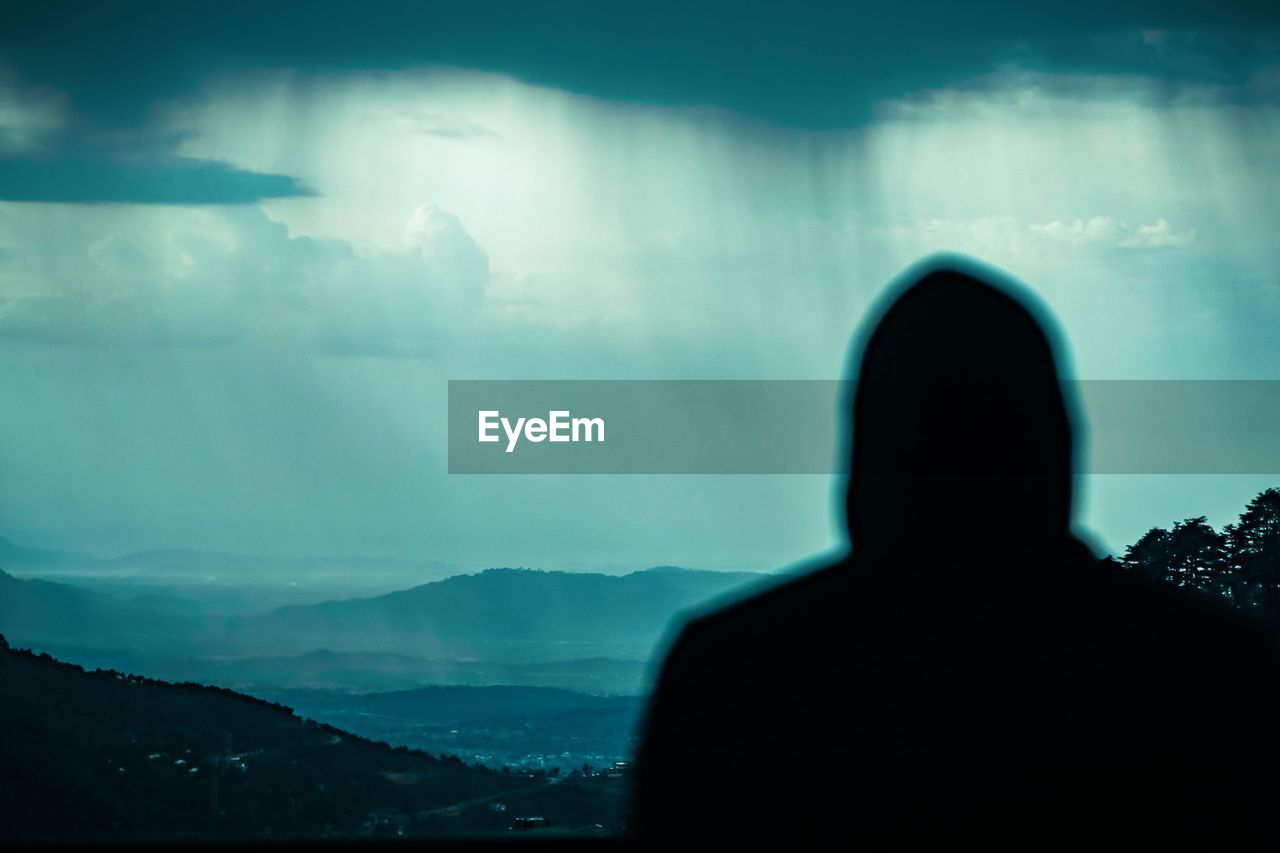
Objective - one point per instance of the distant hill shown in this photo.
(109, 756)
(511, 615)
(500, 626)
(46, 613)
(193, 570)
(12, 554)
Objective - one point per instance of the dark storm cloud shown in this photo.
(791, 63)
(169, 180)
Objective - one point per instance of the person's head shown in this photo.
(961, 436)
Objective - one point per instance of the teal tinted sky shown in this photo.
(242, 249)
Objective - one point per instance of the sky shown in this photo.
(244, 246)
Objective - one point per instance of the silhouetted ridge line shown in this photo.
(99, 755)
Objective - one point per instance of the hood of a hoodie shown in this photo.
(961, 437)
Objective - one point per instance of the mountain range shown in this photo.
(523, 626)
(512, 615)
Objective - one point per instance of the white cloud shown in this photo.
(27, 115)
(1107, 231)
(1013, 93)
(444, 125)
(1010, 237)
(1096, 229)
(1157, 235)
(199, 277)
(706, 238)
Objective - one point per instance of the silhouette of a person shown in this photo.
(970, 667)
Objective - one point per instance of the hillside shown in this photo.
(513, 615)
(46, 613)
(105, 755)
(13, 554)
(499, 616)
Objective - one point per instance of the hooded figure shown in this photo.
(970, 667)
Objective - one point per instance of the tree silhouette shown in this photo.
(1255, 548)
(1241, 563)
(1198, 556)
(1152, 554)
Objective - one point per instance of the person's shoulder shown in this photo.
(1203, 623)
(790, 599)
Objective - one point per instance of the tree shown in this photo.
(1151, 554)
(1241, 563)
(1255, 547)
(1197, 556)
